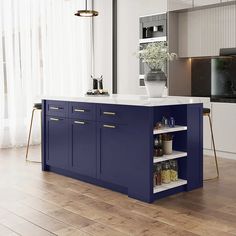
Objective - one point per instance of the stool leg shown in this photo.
(214, 147)
(31, 123)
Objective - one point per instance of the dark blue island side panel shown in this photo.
(43, 136)
(195, 146)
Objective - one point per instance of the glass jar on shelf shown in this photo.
(154, 176)
(174, 170)
(156, 142)
(165, 173)
(158, 174)
(164, 121)
(158, 146)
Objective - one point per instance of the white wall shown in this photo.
(128, 41)
(103, 42)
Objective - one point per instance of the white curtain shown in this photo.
(44, 50)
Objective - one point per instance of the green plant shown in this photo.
(155, 55)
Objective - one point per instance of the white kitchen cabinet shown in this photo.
(203, 32)
(224, 126)
(199, 3)
(174, 5)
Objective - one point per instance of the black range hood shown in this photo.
(228, 52)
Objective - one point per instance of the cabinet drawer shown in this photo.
(82, 110)
(57, 108)
(115, 114)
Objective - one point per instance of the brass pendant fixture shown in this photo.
(86, 12)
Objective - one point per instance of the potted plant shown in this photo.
(167, 143)
(155, 55)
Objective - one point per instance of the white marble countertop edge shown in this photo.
(133, 100)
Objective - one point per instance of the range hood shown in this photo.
(228, 52)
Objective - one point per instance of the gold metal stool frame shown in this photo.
(214, 147)
(30, 131)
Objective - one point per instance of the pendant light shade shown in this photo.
(86, 12)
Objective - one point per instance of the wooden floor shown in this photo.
(36, 203)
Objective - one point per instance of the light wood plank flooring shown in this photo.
(34, 203)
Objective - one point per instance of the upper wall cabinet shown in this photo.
(203, 32)
(199, 3)
(174, 5)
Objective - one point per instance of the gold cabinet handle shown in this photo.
(109, 126)
(79, 110)
(109, 113)
(79, 122)
(54, 119)
(54, 108)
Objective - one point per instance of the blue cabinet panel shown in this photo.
(113, 153)
(116, 113)
(57, 108)
(57, 137)
(83, 147)
(84, 111)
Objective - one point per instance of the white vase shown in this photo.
(155, 82)
(167, 147)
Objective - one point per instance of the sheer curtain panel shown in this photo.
(44, 50)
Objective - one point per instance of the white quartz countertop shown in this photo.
(133, 100)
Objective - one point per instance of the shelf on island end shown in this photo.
(164, 187)
(174, 155)
(169, 129)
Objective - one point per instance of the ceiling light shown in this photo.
(86, 12)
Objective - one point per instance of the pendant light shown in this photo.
(86, 12)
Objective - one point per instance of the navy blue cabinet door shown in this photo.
(57, 142)
(113, 153)
(83, 156)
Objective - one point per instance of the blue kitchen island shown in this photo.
(108, 141)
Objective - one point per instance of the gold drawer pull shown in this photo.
(79, 110)
(54, 108)
(79, 122)
(109, 113)
(109, 126)
(54, 119)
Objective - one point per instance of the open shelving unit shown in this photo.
(169, 129)
(187, 150)
(174, 155)
(164, 187)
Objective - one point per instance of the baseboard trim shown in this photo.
(225, 155)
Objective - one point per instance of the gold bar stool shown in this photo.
(37, 107)
(206, 112)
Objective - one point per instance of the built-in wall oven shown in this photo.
(153, 29)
